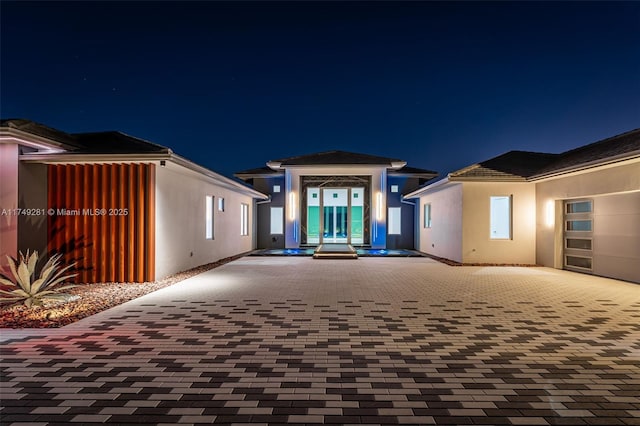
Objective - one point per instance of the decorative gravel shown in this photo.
(89, 299)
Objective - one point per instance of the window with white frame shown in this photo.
(277, 220)
(500, 217)
(276, 188)
(395, 225)
(208, 214)
(427, 215)
(220, 204)
(394, 188)
(244, 219)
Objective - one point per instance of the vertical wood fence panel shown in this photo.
(104, 219)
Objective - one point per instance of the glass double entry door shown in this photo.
(335, 215)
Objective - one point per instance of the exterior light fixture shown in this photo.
(163, 163)
(292, 205)
(379, 206)
(550, 214)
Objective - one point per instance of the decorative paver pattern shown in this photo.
(368, 341)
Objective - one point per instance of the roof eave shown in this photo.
(418, 192)
(396, 165)
(585, 166)
(245, 176)
(12, 135)
(334, 165)
(488, 179)
(70, 158)
(225, 181)
(410, 174)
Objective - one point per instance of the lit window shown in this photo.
(276, 188)
(395, 214)
(579, 207)
(208, 208)
(221, 204)
(579, 225)
(394, 188)
(277, 219)
(244, 219)
(427, 215)
(500, 217)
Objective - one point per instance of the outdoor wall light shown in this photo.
(292, 205)
(163, 163)
(379, 206)
(550, 214)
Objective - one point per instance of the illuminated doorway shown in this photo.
(335, 215)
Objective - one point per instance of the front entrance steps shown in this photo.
(335, 251)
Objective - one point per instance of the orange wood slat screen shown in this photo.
(102, 216)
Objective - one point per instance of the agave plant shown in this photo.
(26, 288)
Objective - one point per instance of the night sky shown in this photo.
(232, 85)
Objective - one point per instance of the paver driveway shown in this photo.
(374, 340)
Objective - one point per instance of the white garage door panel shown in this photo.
(619, 204)
(616, 236)
(616, 267)
(618, 246)
(616, 224)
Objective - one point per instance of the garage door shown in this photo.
(602, 236)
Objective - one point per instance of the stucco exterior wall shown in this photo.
(378, 184)
(32, 232)
(624, 177)
(8, 201)
(180, 221)
(406, 240)
(263, 233)
(477, 247)
(444, 238)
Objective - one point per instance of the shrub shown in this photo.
(33, 292)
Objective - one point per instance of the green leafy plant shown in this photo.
(26, 287)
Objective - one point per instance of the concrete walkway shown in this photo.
(272, 340)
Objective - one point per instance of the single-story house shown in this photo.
(124, 209)
(578, 210)
(336, 197)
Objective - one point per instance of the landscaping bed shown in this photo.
(89, 299)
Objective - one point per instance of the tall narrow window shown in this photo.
(277, 220)
(578, 235)
(220, 204)
(500, 218)
(208, 214)
(244, 219)
(427, 215)
(395, 226)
